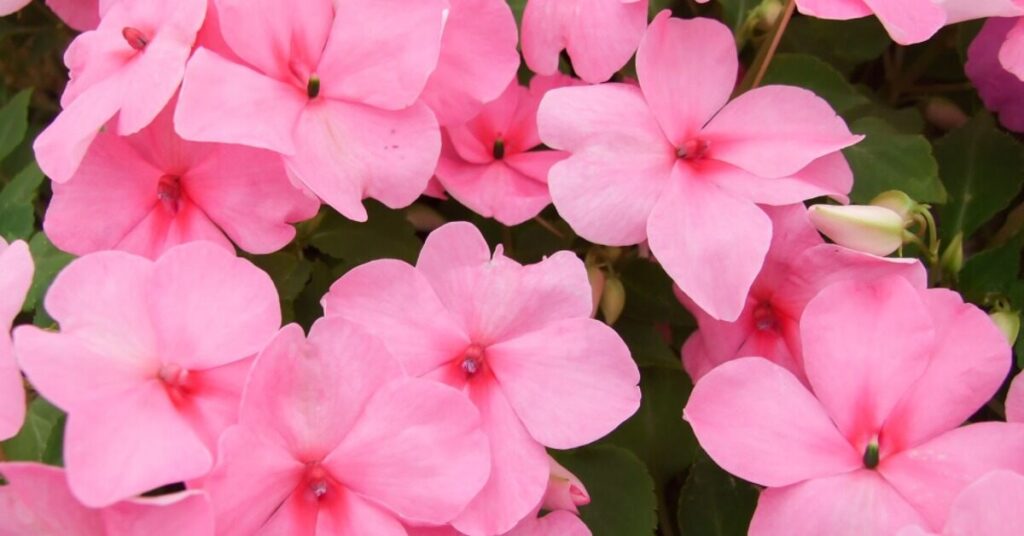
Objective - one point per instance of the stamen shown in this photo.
(168, 191)
(313, 86)
(472, 360)
(317, 479)
(693, 149)
(764, 317)
(499, 149)
(871, 455)
(136, 39)
(173, 375)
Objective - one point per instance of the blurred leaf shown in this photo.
(843, 44)
(903, 120)
(17, 204)
(983, 169)
(43, 424)
(714, 503)
(621, 492)
(307, 304)
(649, 348)
(809, 72)
(736, 12)
(289, 272)
(385, 234)
(13, 122)
(649, 294)
(657, 433)
(49, 262)
(887, 160)
(991, 272)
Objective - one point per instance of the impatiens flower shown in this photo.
(995, 65)
(990, 507)
(16, 268)
(1015, 400)
(872, 445)
(478, 59)
(557, 523)
(867, 228)
(149, 362)
(333, 438)
(130, 66)
(333, 85)
(487, 164)
(37, 501)
(518, 340)
(599, 35)
(151, 191)
(673, 162)
(81, 15)
(798, 265)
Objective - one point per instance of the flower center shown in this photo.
(135, 38)
(499, 149)
(168, 191)
(871, 454)
(764, 317)
(176, 381)
(693, 149)
(317, 480)
(472, 360)
(313, 86)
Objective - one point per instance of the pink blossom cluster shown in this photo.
(426, 398)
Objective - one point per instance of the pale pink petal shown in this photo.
(909, 21)
(119, 447)
(961, 10)
(792, 235)
(544, 28)
(61, 147)
(565, 490)
(250, 482)
(495, 190)
(154, 78)
(696, 360)
(1011, 54)
(188, 512)
(757, 421)
(603, 35)
(834, 9)
(931, 475)
(478, 59)
(456, 246)
(191, 333)
(536, 164)
(670, 56)
(394, 302)
(519, 466)
(346, 152)
(851, 504)
(212, 106)
(37, 501)
(11, 6)
(381, 53)
(212, 403)
(1015, 400)
(864, 346)
(347, 513)
(81, 15)
(968, 365)
(305, 395)
(710, 242)
(92, 58)
(559, 523)
(16, 269)
(990, 506)
(776, 131)
(829, 175)
(570, 383)
(417, 450)
(573, 118)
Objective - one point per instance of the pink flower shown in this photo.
(599, 35)
(487, 164)
(16, 268)
(149, 363)
(478, 59)
(37, 501)
(333, 438)
(81, 15)
(333, 85)
(673, 162)
(151, 191)
(565, 491)
(12, 6)
(995, 64)
(990, 506)
(873, 445)
(798, 265)
(518, 340)
(1015, 400)
(558, 523)
(130, 66)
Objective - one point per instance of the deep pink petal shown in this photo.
(776, 131)
(164, 228)
(213, 399)
(394, 302)
(758, 421)
(670, 56)
(851, 504)
(1011, 54)
(931, 475)
(864, 346)
(991, 505)
(80, 15)
(544, 28)
(37, 501)
(710, 242)
(570, 382)
(494, 190)
(347, 513)
(416, 449)
(381, 53)
(909, 21)
(347, 152)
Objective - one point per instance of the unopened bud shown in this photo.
(768, 14)
(613, 300)
(944, 114)
(953, 257)
(1008, 322)
(898, 202)
(597, 279)
(867, 228)
(565, 491)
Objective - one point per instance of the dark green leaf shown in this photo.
(843, 44)
(647, 345)
(17, 204)
(714, 503)
(13, 122)
(622, 501)
(33, 441)
(887, 159)
(991, 273)
(736, 12)
(649, 294)
(983, 169)
(289, 272)
(386, 234)
(809, 72)
(49, 261)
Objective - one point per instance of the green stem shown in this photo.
(764, 56)
(665, 525)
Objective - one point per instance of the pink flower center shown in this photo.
(871, 455)
(168, 191)
(136, 39)
(175, 380)
(693, 149)
(764, 317)
(472, 360)
(313, 86)
(317, 480)
(499, 149)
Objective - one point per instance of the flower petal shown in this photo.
(991, 505)
(909, 21)
(36, 500)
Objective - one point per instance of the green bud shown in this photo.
(1008, 322)
(613, 300)
(953, 257)
(898, 202)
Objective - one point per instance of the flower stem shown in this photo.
(764, 56)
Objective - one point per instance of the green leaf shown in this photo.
(714, 503)
(843, 44)
(622, 501)
(736, 12)
(649, 295)
(13, 122)
(991, 273)
(809, 72)
(49, 261)
(386, 234)
(657, 433)
(983, 169)
(647, 345)
(43, 424)
(887, 159)
(289, 272)
(17, 204)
